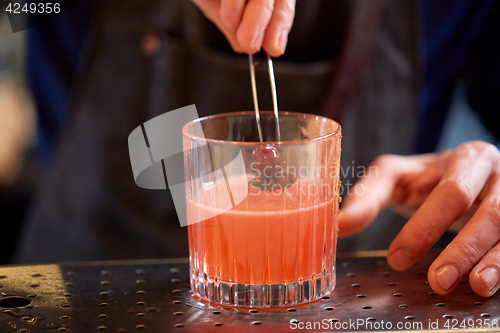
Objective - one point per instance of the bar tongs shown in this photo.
(273, 92)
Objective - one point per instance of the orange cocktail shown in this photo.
(252, 245)
(266, 237)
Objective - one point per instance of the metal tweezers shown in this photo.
(273, 92)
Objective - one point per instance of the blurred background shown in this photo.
(21, 172)
(18, 160)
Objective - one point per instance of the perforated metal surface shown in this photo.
(153, 296)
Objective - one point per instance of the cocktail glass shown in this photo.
(262, 216)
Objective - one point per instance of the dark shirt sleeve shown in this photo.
(482, 77)
(456, 35)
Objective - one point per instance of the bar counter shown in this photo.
(154, 296)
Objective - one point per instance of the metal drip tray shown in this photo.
(153, 296)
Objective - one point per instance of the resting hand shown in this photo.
(438, 189)
(250, 25)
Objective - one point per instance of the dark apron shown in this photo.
(146, 58)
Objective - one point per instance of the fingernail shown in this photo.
(401, 258)
(282, 41)
(490, 277)
(353, 209)
(446, 276)
(257, 43)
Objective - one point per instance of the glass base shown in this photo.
(263, 295)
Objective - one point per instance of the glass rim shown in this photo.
(254, 143)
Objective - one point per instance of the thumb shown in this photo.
(212, 9)
(357, 216)
(370, 195)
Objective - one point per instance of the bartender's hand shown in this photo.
(250, 25)
(439, 189)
